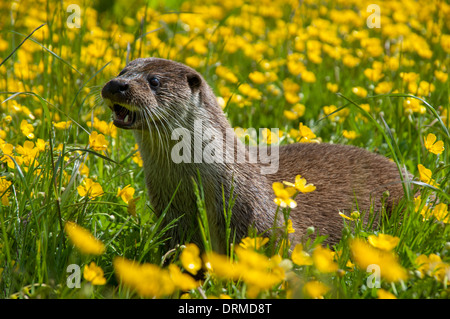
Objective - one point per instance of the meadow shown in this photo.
(75, 220)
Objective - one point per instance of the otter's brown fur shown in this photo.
(343, 175)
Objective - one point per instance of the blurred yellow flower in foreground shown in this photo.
(94, 274)
(27, 129)
(253, 242)
(359, 91)
(384, 294)
(90, 188)
(306, 135)
(62, 125)
(283, 195)
(84, 240)
(126, 193)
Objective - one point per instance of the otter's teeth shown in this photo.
(126, 119)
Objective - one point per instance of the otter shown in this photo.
(154, 97)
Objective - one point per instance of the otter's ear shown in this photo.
(194, 81)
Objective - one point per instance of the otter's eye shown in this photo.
(154, 82)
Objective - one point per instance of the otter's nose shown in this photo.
(115, 88)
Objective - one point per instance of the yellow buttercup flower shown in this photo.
(289, 228)
(384, 294)
(315, 289)
(250, 92)
(190, 258)
(365, 255)
(257, 270)
(221, 266)
(300, 257)
(90, 188)
(425, 175)
(323, 259)
(330, 111)
(94, 274)
(41, 144)
(295, 112)
(424, 211)
(226, 74)
(383, 87)
(359, 91)
(253, 242)
(98, 142)
(181, 280)
(441, 213)
(4, 185)
(433, 266)
(306, 135)
(351, 135)
(308, 76)
(126, 193)
(373, 75)
(332, 87)
(300, 185)
(137, 157)
(27, 129)
(270, 137)
(412, 105)
(28, 151)
(383, 241)
(257, 77)
(291, 98)
(62, 125)
(131, 208)
(103, 127)
(432, 146)
(147, 280)
(283, 195)
(84, 240)
(441, 76)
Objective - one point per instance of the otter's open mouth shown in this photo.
(123, 117)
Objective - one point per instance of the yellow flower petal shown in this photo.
(383, 241)
(300, 257)
(84, 240)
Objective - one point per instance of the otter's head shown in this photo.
(151, 91)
